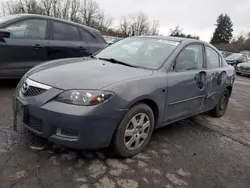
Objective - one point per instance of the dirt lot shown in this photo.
(205, 152)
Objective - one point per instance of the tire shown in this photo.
(237, 73)
(128, 146)
(220, 110)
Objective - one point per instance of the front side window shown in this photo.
(212, 58)
(65, 32)
(28, 29)
(140, 51)
(190, 58)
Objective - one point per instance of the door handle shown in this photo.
(38, 46)
(200, 79)
(80, 48)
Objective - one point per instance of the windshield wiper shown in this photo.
(112, 60)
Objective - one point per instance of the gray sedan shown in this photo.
(243, 68)
(117, 97)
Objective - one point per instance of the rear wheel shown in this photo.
(134, 131)
(221, 107)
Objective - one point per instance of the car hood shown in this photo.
(83, 73)
(244, 64)
(231, 60)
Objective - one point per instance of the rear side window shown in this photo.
(86, 36)
(212, 57)
(65, 32)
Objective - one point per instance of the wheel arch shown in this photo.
(152, 104)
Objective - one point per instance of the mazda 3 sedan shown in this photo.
(117, 97)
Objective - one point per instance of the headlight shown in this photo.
(84, 97)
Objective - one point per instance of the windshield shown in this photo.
(141, 52)
(234, 56)
(7, 18)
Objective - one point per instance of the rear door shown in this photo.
(65, 41)
(26, 47)
(216, 78)
(186, 84)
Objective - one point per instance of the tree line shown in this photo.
(223, 37)
(87, 12)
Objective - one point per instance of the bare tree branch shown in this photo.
(89, 12)
(65, 9)
(138, 24)
(103, 22)
(154, 29)
(124, 26)
(47, 7)
(75, 7)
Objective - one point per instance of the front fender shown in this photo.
(130, 92)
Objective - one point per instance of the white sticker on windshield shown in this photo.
(168, 42)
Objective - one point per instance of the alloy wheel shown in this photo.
(137, 131)
(223, 103)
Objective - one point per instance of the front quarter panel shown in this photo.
(130, 92)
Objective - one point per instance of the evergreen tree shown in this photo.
(224, 30)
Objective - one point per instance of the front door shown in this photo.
(26, 47)
(186, 84)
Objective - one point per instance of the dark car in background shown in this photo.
(34, 39)
(236, 58)
(119, 96)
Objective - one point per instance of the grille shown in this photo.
(245, 68)
(34, 123)
(33, 91)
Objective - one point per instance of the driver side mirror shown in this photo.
(4, 33)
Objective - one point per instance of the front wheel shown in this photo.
(221, 107)
(134, 131)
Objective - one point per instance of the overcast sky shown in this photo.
(196, 17)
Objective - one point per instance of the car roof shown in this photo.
(177, 39)
(54, 19)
